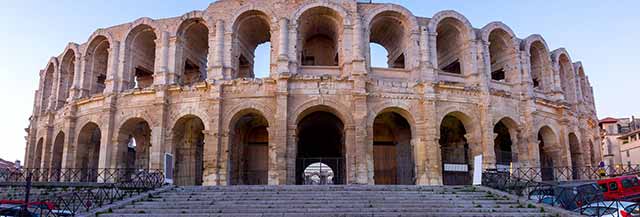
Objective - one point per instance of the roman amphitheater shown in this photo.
(180, 94)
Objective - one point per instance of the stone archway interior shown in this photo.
(253, 30)
(449, 44)
(320, 31)
(576, 155)
(321, 140)
(392, 150)
(37, 158)
(548, 160)
(56, 157)
(455, 152)
(189, 151)
(88, 151)
(194, 48)
(387, 29)
(249, 151)
(134, 140)
(502, 145)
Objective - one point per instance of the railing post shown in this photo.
(27, 192)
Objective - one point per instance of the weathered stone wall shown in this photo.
(541, 89)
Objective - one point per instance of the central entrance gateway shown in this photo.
(320, 157)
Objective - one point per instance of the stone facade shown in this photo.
(185, 86)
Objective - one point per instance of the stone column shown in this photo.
(283, 49)
(114, 65)
(46, 146)
(75, 90)
(173, 60)
(278, 136)
(212, 150)
(362, 146)
(108, 140)
(68, 154)
(158, 132)
(162, 59)
(433, 159)
(217, 65)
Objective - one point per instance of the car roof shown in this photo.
(609, 204)
(573, 184)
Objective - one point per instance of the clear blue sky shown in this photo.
(604, 35)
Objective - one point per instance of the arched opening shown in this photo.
(501, 56)
(539, 61)
(88, 152)
(387, 29)
(503, 146)
(318, 174)
(320, 32)
(566, 78)
(392, 150)
(97, 58)
(455, 152)
(320, 140)
(134, 143)
(188, 147)
(249, 150)
(583, 83)
(450, 45)
(576, 155)
(193, 48)
(56, 158)
(47, 88)
(141, 55)
(252, 29)
(37, 154)
(549, 157)
(67, 71)
(56, 153)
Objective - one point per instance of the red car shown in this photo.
(622, 188)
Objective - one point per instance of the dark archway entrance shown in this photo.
(392, 154)
(188, 144)
(547, 139)
(502, 145)
(88, 152)
(134, 142)
(321, 140)
(576, 155)
(56, 153)
(455, 152)
(249, 150)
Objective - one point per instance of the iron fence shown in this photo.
(570, 173)
(67, 192)
(584, 198)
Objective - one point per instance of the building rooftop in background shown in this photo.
(7, 164)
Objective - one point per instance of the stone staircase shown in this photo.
(309, 201)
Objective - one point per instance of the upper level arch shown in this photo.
(251, 28)
(47, 82)
(140, 54)
(563, 64)
(96, 56)
(503, 52)
(320, 32)
(582, 80)
(67, 74)
(192, 50)
(391, 26)
(541, 72)
(453, 47)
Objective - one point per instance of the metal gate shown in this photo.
(320, 171)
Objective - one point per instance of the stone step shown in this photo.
(324, 203)
(365, 214)
(328, 210)
(321, 205)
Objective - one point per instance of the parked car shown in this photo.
(610, 209)
(543, 195)
(575, 194)
(622, 188)
(11, 210)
